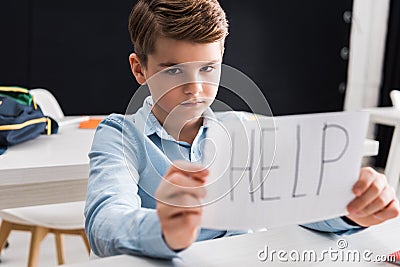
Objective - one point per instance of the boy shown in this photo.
(134, 158)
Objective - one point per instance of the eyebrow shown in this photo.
(170, 64)
(167, 64)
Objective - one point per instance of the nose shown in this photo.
(193, 88)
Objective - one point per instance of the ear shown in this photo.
(137, 68)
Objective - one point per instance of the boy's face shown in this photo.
(182, 77)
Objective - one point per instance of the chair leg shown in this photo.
(5, 230)
(86, 241)
(60, 248)
(38, 234)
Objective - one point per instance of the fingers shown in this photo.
(375, 200)
(178, 207)
(189, 205)
(182, 178)
(391, 211)
(180, 228)
(197, 172)
(367, 177)
(176, 189)
(376, 185)
(187, 219)
(180, 224)
(380, 202)
(178, 203)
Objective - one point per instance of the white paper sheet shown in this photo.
(283, 170)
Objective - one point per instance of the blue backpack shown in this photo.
(21, 119)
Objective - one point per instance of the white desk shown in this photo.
(48, 169)
(391, 117)
(243, 250)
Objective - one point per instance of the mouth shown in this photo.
(193, 102)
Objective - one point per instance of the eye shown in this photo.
(173, 71)
(207, 68)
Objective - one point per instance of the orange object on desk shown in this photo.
(90, 123)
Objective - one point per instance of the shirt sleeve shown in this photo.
(336, 225)
(115, 221)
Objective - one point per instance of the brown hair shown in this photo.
(200, 21)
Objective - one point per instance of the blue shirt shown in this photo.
(128, 158)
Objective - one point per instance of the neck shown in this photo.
(187, 132)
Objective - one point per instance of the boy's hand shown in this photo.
(375, 200)
(177, 197)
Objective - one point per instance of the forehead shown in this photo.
(171, 51)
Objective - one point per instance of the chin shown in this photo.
(192, 114)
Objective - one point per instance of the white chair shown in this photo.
(50, 107)
(64, 218)
(390, 116)
(395, 97)
(48, 103)
(59, 219)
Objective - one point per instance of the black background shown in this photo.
(79, 51)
